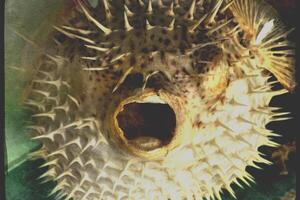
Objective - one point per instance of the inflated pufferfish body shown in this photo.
(158, 99)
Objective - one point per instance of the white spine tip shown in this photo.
(266, 29)
(127, 26)
(148, 25)
(149, 8)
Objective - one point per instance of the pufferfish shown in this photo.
(142, 99)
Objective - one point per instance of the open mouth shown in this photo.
(147, 125)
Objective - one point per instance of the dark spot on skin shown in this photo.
(82, 98)
(200, 125)
(99, 63)
(182, 48)
(151, 59)
(138, 33)
(160, 40)
(154, 48)
(60, 38)
(196, 53)
(115, 74)
(132, 47)
(119, 50)
(145, 50)
(167, 42)
(164, 31)
(162, 55)
(185, 71)
(120, 62)
(173, 62)
(162, 20)
(184, 35)
(152, 36)
(109, 57)
(175, 37)
(132, 61)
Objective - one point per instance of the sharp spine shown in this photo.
(227, 6)
(44, 93)
(38, 105)
(141, 3)
(190, 14)
(89, 17)
(89, 58)
(149, 8)
(96, 69)
(215, 10)
(50, 115)
(147, 78)
(57, 83)
(101, 49)
(176, 3)
(160, 3)
(65, 173)
(74, 100)
(218, 27)
(107, 9)
(171, 9)
(148, 25)
(127, 72)
(128, 12)
(171, 25)
(74, 36)
(52, 162)
(197, 24)
(119, 57)
(50, 173)
(81, 31)
(127, 26)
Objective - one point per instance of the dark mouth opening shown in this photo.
(147, 125)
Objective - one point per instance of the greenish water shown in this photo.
(28, 18)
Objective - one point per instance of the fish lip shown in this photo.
(160, 97)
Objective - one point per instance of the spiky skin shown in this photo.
(207, 53)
